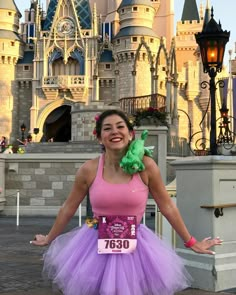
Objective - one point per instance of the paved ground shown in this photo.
(21, 264)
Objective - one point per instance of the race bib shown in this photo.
(117, 234)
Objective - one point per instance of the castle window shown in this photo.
(147, 9)
(26, 68)
(134, 39)
(107, 66)
(118, 41)
(135, 8)
(122, 10)
(151, 40)
(9, 13)
(12, 43)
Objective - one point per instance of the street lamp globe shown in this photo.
(22, 127)
(212, 41)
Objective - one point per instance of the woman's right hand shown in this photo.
(40, 240)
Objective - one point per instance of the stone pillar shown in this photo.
(95, 88)
(206, 190)
(157, 137)
(2, 183)
(117, 75)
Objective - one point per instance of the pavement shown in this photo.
(21, 263)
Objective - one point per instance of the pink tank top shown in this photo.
(118, 199)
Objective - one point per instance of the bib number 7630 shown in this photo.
(116, 234)
(119, 244)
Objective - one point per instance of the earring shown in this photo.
(102, 147)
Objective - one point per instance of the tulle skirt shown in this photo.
(74, 267)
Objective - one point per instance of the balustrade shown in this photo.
(64, 81)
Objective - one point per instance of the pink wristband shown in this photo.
(190, 243)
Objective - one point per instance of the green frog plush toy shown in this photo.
(132, 162)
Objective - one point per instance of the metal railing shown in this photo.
(158, 222)
(131, 104)
(177, 147)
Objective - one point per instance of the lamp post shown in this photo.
(22, 128)
(212, 41)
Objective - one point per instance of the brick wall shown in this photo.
(43, 181)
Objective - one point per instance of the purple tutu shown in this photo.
(73, 265)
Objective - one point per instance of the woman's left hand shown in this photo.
(202, 247)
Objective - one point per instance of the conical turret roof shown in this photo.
(190, 11)
(10, 5)
(207, 16)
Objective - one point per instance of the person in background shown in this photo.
(3, 143)
(122, 256)
(26, 141)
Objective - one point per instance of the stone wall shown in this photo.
(43, 181)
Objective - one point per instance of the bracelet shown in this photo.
(190, 243)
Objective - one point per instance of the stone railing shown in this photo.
(64, 81)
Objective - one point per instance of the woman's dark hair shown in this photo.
(108, 113)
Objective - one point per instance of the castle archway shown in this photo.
(57, 125)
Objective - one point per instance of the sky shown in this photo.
(223, 11)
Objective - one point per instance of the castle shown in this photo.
(60, 67)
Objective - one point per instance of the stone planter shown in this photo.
(150, 121)
(201, 152)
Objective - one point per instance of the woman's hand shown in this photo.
(40, 240)
(203, 246)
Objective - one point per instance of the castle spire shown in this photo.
(201, 10)
(190, 11)
(95, 22)
(207, 16)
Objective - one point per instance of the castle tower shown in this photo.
(112, 15)
(186, 28)
(163, 24)
(136, 21)
(190, 66)
(10, 51)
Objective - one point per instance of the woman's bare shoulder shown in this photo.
(150, 169)
(88, 171)
(149, 162)
(90, 166)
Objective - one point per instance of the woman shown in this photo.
(151, 267)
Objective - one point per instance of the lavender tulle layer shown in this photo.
(73, 265)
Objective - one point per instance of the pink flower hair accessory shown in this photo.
(96, 118)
